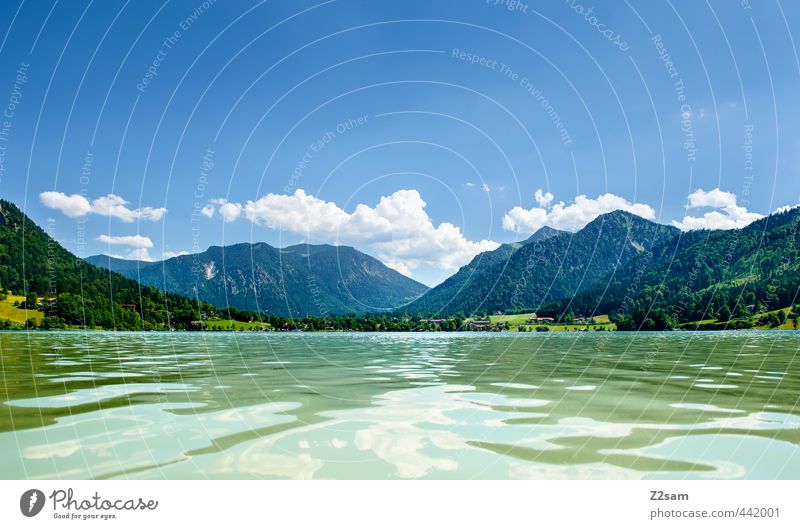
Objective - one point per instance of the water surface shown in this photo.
(443, 405)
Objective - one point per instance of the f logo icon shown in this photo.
(31, 502)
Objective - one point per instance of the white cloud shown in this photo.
(523, 220)
(469, 184)
(69, 205)
(135, 241)
(170, 255)
(139, 244)
(727, 215)
(398, 228)
(139, 254)
(711, 199)
(784, 209)
(109, 206)
(543, 199)
(230, 211)
(115, 206)
(570, 217)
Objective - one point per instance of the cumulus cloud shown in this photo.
(230, 211)
(138, 243)
(139, 254)
(398, 228)
(543, 199)
(115, 206)
(70, 205)
(170, 255)
(570, 217)
(727, 213)
(135, 241)
(109, 206)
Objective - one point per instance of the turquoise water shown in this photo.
(342, 405)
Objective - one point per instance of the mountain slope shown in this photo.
(692, 277)
(294, 281)
(546, 268)
(484, 267)
(81, 294)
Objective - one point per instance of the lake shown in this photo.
(415, 405)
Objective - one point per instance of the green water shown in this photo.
(466, 405)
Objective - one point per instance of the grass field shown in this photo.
(512, 319)
(9, 312)
(515, 321)
(233, 325)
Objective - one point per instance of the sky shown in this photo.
(419, 132)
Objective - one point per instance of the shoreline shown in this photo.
(482, 333)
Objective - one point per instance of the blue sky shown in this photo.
(417, 131)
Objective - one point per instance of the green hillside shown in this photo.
(75, 293)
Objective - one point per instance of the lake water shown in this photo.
(461, 405)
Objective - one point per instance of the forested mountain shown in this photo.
(548, 267)
(76, 292)
(295, 281)
(702, 275)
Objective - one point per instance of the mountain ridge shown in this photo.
(298, 280)
(547, 269)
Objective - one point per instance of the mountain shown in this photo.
(702, 275)
(548, 267)
(543, 233)
(294, 281)
(116, 264)
(77, 293)
(473, 277)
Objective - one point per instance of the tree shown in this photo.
(724, 314)
(30, 300)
